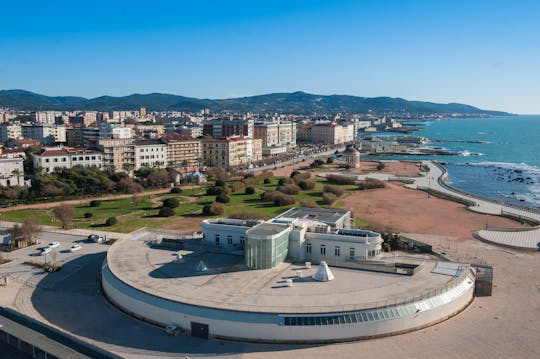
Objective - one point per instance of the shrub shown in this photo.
(236, 186)
(267, 181)
(380, 166)
(308, 202)
(289, 189)
(370, 183)
(171, 202)
(316, 164)
(95, 203)
(176, 190)
(247, 215)
(301, 176)
(111, 221)
(250, 190)
(385, 247)
(213, 209)
(329, 198)
(329, 160)
(283, 181)
(281, 199)
(88, 215)
(268, 195)
(305, 185)
(219, 183)
(214, 191)
(340, 179)
(338, 191)
(294, 173)
(166, 212)
(222, 198)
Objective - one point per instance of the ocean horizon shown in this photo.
(497, 157)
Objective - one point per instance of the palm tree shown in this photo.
(17, 173)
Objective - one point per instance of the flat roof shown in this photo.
(328, 216)
(267, 229)
(229, 285)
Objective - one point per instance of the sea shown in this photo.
(496, 157)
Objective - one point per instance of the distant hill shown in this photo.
(293, 103)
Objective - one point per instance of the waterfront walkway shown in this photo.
(523, 238)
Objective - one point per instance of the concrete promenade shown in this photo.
(525, 238)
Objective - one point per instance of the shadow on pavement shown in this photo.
(75, 303)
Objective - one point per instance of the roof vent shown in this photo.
(323, 274)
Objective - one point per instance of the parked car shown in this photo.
(96, 238)
(75, 247)
(45, 250)
(53, 245)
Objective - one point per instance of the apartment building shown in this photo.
(322, 133)
(224, 152)
(150, 153)
(182, 151)
(50, 158)
(45, 133)
(118, 154)
(221, 128)
(10, 132)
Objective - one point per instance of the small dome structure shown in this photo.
(351, 156)
(323, 274)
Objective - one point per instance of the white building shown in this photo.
(10, 132)
(47, 117)
(110, 131)
(150, 153)
(51, 158)
(227, 233)
(11, 172)
(45, 133)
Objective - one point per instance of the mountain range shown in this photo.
(291, 103)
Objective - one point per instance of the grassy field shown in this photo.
(144, 212)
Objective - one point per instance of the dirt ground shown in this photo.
(399, 209)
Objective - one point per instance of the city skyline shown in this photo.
(479, 54)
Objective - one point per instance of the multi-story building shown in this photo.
(268, 132)
(276, 137)
(190, 131)
(47, 117)
(108, 131)
(44, 133)
(150, 153)
(224, 152)
(11, 171)
(51, 158)
(182, 151)
(118, 154)
(221, 128)
(10, 132)
(322, 133)
(254, 150)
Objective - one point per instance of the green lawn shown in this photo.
(144, 213)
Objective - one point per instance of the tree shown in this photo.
(166, 212)
(95, 203)
(250, 190)
(64, 213)
(111, 221)
(27, 231)
(171, 202)
(222, 198)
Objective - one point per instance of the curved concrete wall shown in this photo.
(252, 326)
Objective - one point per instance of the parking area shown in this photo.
(61, 254)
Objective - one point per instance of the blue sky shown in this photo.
(483, 53)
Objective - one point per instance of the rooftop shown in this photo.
(328, 216)
(229, 284)
(267, 229)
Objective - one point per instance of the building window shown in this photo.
(308, 247)
(351, 253)
(229, 240)
(217, 239)
(323, 249)
(337, 251)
